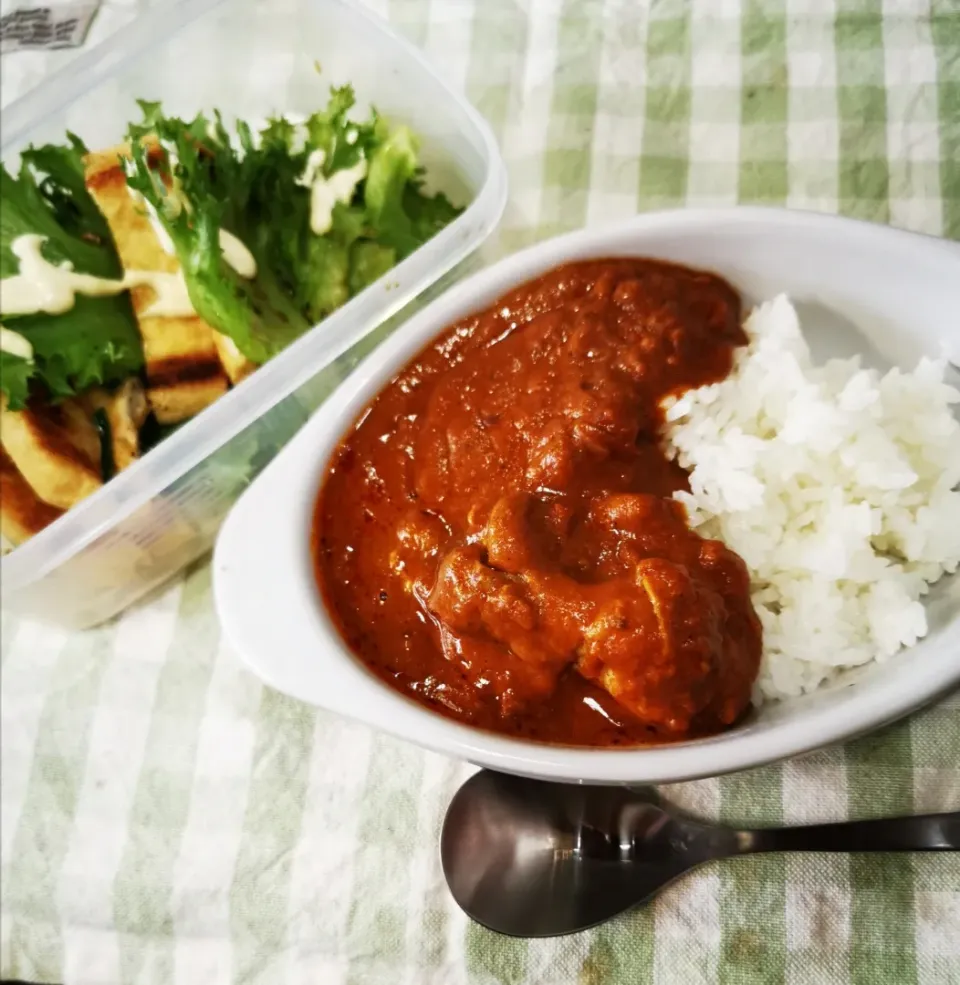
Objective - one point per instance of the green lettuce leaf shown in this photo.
(97, 340)
(428, 213)
(206, 178)
(15, 376)
(393, 164)
(369, 261)
(203, 183)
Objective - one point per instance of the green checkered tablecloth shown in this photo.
(166, 819)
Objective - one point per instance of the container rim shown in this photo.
(216, 425)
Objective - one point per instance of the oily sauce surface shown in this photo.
(495, 536)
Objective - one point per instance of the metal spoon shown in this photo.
(534, 859)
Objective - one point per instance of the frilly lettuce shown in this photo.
(97, 340)
(201, 177)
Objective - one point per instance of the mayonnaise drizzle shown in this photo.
(15, 344)
(43, 286)
(326, 192)
(236, 255)
(315, 161)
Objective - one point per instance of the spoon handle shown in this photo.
(923, 833)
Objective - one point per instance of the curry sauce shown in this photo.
(495, 536)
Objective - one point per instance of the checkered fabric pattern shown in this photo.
(166, 819)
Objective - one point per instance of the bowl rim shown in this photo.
(339, 681)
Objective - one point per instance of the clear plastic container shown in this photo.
(249, 59)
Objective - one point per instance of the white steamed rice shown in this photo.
(838, 488)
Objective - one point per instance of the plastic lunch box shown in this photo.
(249, 59)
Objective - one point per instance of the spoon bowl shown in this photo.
(535, 859)
(530, 858)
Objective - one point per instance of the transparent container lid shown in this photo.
(250, 60)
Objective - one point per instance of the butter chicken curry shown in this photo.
(495, 536)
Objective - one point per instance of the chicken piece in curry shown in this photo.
(496, 536)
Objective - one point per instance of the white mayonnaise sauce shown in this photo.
(236, 254)
(326, 192)
(315, 161)
(15, 344)
(43, 286)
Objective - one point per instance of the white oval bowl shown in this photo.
(889, 294)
